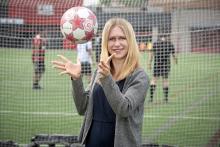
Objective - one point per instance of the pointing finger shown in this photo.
(110, 58)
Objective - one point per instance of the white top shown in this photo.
(84, 52)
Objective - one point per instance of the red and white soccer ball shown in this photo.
(79, 25)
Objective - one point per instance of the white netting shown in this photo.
(191, 116)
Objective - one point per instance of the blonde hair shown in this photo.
(132, 59)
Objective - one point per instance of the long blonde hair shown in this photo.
(132, 59)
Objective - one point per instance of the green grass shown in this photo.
(189, 119)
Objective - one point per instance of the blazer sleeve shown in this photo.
(80, 96)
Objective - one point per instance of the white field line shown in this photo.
(145, 116)
(40, 113)
(178, 117)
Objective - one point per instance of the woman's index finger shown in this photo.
(110, 58)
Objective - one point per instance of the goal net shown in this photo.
(182, 102)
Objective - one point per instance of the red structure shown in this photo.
(40, 12)
(25, 18)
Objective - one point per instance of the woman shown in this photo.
(114, 105)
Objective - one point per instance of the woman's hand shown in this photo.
(67, 67)
(104, 68)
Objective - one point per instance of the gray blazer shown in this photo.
(128, 106)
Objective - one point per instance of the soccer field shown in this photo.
(191, 117)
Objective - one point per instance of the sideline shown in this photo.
(145, 116)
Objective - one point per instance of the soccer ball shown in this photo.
(79, 25)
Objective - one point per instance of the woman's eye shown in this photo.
(112, 39)
(117, 38)
(122, 38)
